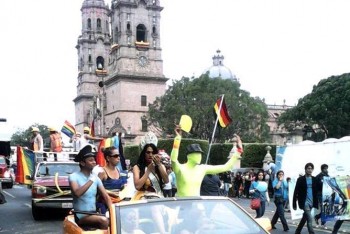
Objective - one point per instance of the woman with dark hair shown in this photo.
(280, 187)
(149, 173)
(258, 189)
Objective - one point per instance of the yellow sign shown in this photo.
(186, 123)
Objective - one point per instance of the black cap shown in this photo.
(194, 148)
(85, 152)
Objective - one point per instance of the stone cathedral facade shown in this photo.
(120, 66)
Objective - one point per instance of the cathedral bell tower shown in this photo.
(135, 65)
(93, 49)
(120, 68)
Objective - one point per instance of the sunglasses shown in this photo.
(114, 156)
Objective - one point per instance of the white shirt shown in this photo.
(167, 186)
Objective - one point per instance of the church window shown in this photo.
(141, 33)
(128, 27)
(107, 26)
(143, 100)
(81, 64)
(99, 23)
(90, 59)
(116, 35)
(89, 23)
(99, 63)
(154, 31)
(143, 124)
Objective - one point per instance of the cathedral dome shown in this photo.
(218, 70)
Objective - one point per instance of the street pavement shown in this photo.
(270, 211)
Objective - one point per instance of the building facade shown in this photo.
(120, 66)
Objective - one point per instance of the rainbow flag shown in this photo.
(68, 129)
(224, 118)
(100, 159)
(25, 165)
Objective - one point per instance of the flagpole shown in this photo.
(216, 123)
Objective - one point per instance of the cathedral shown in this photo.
(120, 66)
(120, 69)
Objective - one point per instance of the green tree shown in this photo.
(22, 137)
(196, 97)
(327, 107)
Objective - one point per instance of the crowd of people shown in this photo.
(169, 178)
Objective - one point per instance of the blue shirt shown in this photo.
(173, 182)
(87, 201)
(261, 186)
(309, 199)
(282, 191)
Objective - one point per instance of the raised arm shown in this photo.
(176, 146)
(140, 181)
(235, 155)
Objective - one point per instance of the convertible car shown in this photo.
(200, 215)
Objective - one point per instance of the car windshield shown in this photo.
(63, 169)
(193, 216)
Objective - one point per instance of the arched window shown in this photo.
(98, 23)
(89, 23)
(128, 27)
(141, 33)
(115, 37)
(100, 63)
(154, 31)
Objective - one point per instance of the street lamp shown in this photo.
(309, 131)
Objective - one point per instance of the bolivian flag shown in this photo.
(25, 165)
(222, 114)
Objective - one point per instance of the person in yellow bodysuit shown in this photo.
(189, 175)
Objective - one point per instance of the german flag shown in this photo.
(224, 118)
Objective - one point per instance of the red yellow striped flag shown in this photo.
(224, 118)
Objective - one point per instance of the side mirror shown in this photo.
(28, 177)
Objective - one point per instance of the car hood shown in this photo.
(50, 181)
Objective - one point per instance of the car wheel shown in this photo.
(37, 212)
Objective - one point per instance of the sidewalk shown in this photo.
(270, 211)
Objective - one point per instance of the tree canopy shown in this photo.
(327, 107)
(196, 97)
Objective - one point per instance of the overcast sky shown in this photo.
(278, 50)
